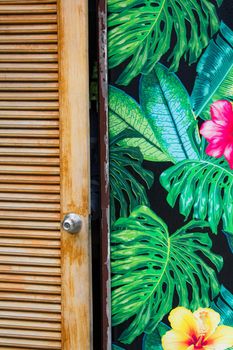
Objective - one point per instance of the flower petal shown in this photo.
(221, 339)
(215, 150)
(228, 154)
(221, 112)
(210, 130)
(183, 320)
(174, 340)
(208, 320)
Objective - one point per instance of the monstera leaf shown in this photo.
(150, 268)
(166, 106)
(126, 114)
(215, 73)
(141, 31)
(224, 306)
(153, 341)
(202, 185)
(126, 191)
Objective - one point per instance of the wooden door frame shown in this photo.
(104, 174)
(75, 173)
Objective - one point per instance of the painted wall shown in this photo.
(171, 173)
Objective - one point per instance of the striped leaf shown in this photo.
(215, 73)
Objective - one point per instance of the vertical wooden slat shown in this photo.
(74, 131)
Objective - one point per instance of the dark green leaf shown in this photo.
(153, 341)
(149, 267)
(126, 191)
(143, 31)
(224, 306)
(229, 240)
(215, 73)
(203, 187)
(166, 106)
(116, 347)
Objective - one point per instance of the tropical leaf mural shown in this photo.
(126, 191)
(166, 154)
(204, 187)
(166, 105)
(149, 266)
(126, 114)
(140, 31)
(215, 73)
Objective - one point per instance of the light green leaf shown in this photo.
(150, 267)
(166, 106)
(143, 31)
(153, 341)
(126, 191)
(126, 114)
(215, 73)
(204, 187)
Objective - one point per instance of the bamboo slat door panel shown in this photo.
(44, 271)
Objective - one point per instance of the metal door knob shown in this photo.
(72, 223)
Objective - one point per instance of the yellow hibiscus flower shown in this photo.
(198, 330)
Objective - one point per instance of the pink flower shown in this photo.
(219, 131)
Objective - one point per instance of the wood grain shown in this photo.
(28, 67)
(28, 57)
(29, 124)
(28, 18)
(28, 179)
(27, 8)
(15, 114)
(74, 128)
(27, 28)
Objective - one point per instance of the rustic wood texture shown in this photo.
(74, 128)
(30, 239)
(106, 336)
(45, 298)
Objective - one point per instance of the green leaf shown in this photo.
(153, 341)
(215, 73)
(150, 267)
(126, 191)
(229, 237)
(143, 31)
(204, 187)
(224, 306)
(116, 347)
(126, 114)
(166, 106)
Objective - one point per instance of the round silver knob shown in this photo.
(72, 223)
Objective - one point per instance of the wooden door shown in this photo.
(44, 174)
